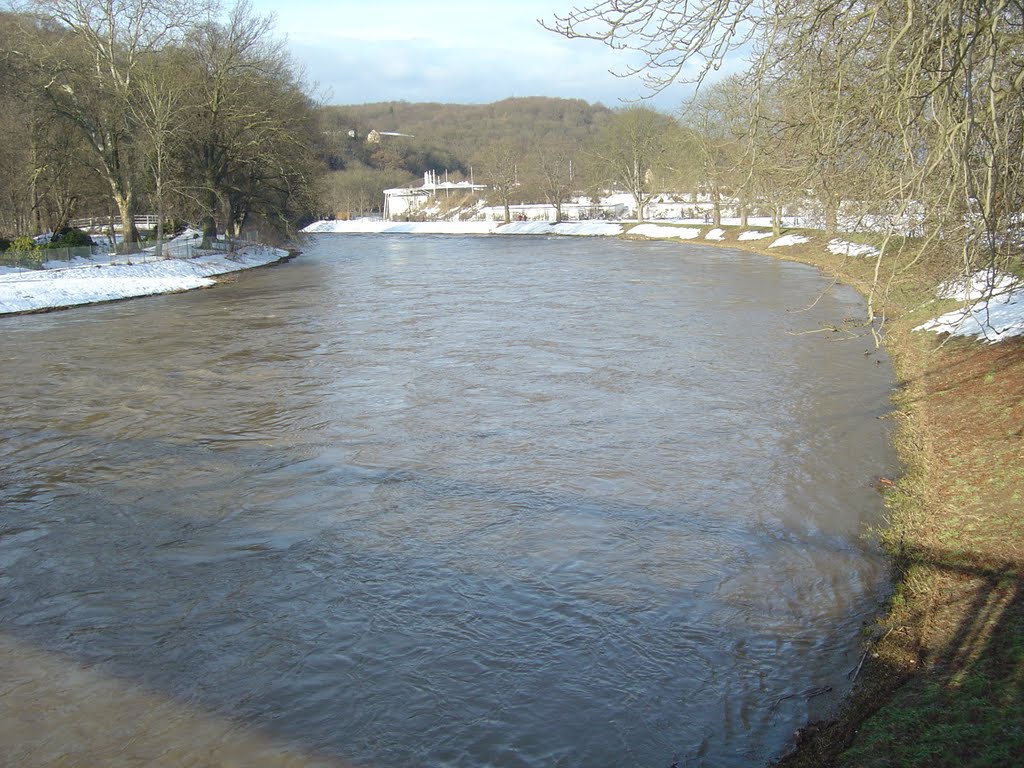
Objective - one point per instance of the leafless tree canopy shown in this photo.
(167, 103)
(905, 114)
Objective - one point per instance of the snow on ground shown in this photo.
(658, 231)
(379, 226)
(715, 234)
(787, 240)
(993, 308)
(533, 226)
(980, 285)
(579, 228)
(53, 288)
(843, 248)
(994, 319)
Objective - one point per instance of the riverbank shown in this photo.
(90, 283)
(942, 675)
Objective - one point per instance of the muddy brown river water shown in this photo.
(440, 501)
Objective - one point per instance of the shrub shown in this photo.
(4, 244)
(69, 237)
(26, 251)
(23, 244)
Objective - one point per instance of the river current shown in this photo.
(440, 501)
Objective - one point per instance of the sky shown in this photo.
(451, 51)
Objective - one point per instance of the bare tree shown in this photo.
(158, 107)
(252, 124)
(913, 109)
(632, 148)
(89, 74)
(499, 165)
(556, 173)
(358, 191)
(719, 119)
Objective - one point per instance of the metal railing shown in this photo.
(97, 223)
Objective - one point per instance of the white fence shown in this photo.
(95, 223)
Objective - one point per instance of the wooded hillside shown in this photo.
(465, 129)
(510, 139)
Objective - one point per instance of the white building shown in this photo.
(402, 201)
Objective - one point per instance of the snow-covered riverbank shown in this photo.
(379, 226)
(989, 318)
(36, 290)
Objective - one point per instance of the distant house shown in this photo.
(375, 136)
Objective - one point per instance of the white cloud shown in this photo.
(459, 51)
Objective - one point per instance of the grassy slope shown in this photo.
(944, 680)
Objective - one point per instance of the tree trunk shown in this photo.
(831, 215)
(716, 197)
(508, 213)
(743, 216)
(126, 210)
(638, 199)
(777, 221)
(210, 214)
(36, 212)
(159, 218)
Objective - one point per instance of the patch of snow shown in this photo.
(789, 240)
(49, 289)
(754, 234)
(843, 248)
(579, 228)
(991, 320)
(980, 285)
(617, 198)
(659, 231)
(715, 234)
(378, 226)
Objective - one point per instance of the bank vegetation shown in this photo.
(175, 108)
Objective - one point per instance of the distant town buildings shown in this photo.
(402, 201)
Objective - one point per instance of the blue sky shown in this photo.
(455, 51)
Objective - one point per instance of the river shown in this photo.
(440, 501)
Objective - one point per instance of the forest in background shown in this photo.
(464, 141)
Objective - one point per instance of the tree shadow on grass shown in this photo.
(944, 683)
(967, 363)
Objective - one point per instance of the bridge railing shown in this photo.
(95, 223)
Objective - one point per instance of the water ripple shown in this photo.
(464, 502)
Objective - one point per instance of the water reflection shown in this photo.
(453, 501)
